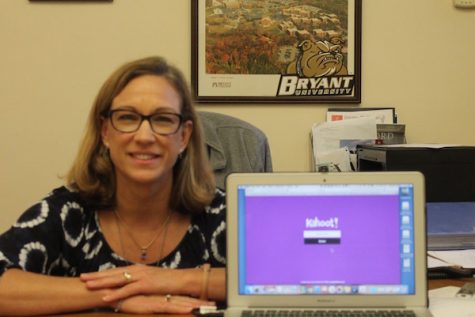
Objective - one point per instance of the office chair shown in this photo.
(234, 145)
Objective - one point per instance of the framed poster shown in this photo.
(260, 51)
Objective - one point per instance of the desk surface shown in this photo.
(437, 283)
(432, 284)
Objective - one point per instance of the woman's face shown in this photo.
(143, 156)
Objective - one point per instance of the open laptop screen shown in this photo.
(326, 239)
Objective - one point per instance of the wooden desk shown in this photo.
(437, 283)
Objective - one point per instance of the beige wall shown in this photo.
(418, 56)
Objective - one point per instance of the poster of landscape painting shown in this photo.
(276, 51)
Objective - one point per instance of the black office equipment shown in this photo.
(450, 187)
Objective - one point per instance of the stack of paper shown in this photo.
(381, 115)
(334, 143)
(388, 130)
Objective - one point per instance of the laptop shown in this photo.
(312, 242)
(450, 225)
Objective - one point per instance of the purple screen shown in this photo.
(367, 251)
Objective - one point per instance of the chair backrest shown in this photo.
(234, 145)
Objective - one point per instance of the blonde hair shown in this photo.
(92, 173)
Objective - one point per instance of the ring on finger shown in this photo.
(127, 276)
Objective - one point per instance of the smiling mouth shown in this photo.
(144, 157)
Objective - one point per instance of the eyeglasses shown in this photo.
(127, 121)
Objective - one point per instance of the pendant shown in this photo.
(143, 254)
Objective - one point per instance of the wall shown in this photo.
(418, 56)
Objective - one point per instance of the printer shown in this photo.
(449, 173)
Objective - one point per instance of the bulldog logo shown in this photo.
(318, 59)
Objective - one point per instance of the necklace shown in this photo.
(143, 249)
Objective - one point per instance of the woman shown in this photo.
(139, 227)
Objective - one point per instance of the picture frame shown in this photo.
(259, 51)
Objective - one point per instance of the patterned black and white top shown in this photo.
(61, 236)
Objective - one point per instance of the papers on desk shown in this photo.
(444, 303)
(388, 131)
(334, 142)
(381, 115)
(460, 258)
(451, 264)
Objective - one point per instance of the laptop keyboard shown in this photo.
(328, 313)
